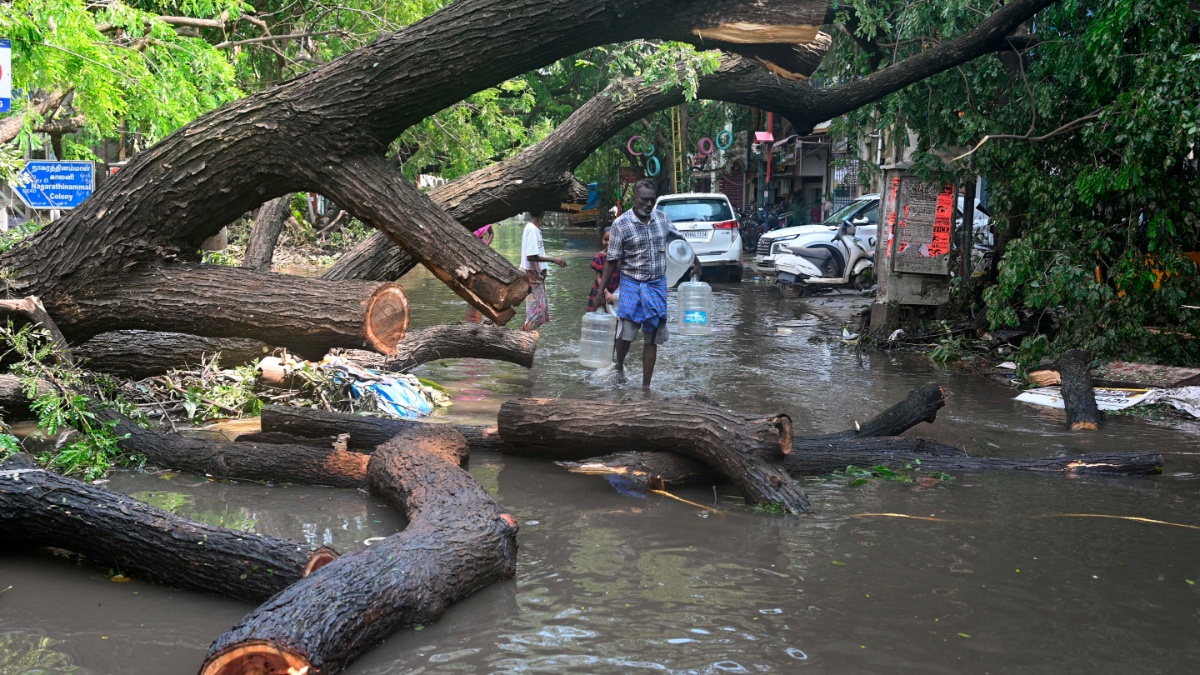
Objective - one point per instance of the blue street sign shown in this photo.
(55, 185)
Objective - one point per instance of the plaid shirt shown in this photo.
(641, 247)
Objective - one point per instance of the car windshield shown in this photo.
(696, 210)
(845, 212)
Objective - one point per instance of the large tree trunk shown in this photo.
(39, 508)
(260, 249)
(365, 432)
(307, 315)
(745, 449)
(327, 132)
(458, 540)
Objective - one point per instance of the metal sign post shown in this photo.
(56, 185)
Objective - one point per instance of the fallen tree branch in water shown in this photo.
(457, 541)
(40, 508)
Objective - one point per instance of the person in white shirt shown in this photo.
(533, 262)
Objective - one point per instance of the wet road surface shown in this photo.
(992, 578)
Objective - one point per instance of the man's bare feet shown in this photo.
(621, 379)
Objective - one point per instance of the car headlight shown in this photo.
(785, 238)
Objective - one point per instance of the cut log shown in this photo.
(1078, 395)
(463, 341)
(921, 405)
(745, 449)
(268, 224)
(331, 464)
(458, 540)
(308, 316)
(40, 508)
(143, 353)
(365, 432)
(139, 354)
(664, 470)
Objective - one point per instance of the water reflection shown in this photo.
(610, 584)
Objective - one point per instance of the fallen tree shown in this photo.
(457, 541)
(40, 508)
(539, 176)
(327, 132)
(745, 449)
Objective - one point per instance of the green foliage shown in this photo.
(910, 474)
(137, 70)
(1102, 208)
(59, 406)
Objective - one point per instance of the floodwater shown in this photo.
(994, 578)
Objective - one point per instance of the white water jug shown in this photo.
(596, 339)
(679, 260)
(695, 308)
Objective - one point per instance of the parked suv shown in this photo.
(862, 212)
(706, 220)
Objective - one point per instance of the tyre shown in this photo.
(790, 290)
(733, 274)
(864, 279)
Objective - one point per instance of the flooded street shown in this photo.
(992, 574)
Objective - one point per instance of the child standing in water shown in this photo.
(614, 282)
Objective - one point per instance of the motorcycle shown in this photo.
(819, 268)
(752, 229)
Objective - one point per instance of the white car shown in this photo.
(707, 222)
(863, 214)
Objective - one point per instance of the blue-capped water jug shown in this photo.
(695, 308)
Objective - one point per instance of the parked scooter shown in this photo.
(818, 268)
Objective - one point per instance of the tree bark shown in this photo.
(327, 132)
(745, 449)
(265, 234)
(31, 311)
(535, 177)
(331, 464)
(308, 316)
(139, 353)
(458, 540)
(39, 508)
(921, 405)
(665, 470)
(365, 432)
(1078, 395)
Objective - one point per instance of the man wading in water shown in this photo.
(638, 241)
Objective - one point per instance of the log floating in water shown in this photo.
(365, 432)
(458, 540)
(662, 470)
(746, 449)
(920, 405)
(40, 508)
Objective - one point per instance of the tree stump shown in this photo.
(1078, 395)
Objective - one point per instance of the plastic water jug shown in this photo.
(679, 260)
(695, 308)
(596, 339)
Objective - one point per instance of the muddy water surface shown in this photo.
(992, 575)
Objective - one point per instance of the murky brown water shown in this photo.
(612, 583)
